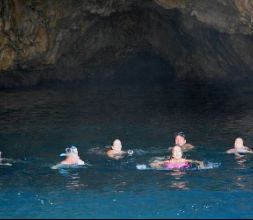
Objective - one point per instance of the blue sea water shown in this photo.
(37, 124)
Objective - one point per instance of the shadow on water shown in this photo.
(53, 118)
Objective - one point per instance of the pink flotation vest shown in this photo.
(169, 165)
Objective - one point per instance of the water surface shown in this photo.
(36, 125)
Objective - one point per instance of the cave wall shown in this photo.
(84, 40)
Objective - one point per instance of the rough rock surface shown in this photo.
(69, 40)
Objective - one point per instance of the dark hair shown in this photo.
(182, 134)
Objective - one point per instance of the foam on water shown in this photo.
(207, 165)
(65, 166)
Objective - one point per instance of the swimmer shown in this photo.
(177, 161)
(116, 151)
(72, 157)
(239, 148)
(180, 140)
(2, 159)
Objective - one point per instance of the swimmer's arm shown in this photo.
(190, 146)
(230, 151)
(6, 159)
(157, 164)
(187, 147)
(5, 164)
(114, 156)
(248, 150)
(112, 153)
(200, 163)
(238, 155)
(81, 162)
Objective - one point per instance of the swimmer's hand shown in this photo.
(81, 162)
(130, 152)
(230, 151)
(141, 166)
(55, 167)
(7, 160)
(201, 164)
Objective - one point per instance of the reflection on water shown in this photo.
(74, 181)
(179, 185)
(35, 125)
(239, 180)
(240, 160)
(177, 182)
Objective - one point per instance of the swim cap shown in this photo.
(69, 150)
(74, 150)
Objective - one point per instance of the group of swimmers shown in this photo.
(175, 161)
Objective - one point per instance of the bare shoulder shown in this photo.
(109, 152)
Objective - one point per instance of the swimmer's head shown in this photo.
(177, 152)
(117, 146)
(238, 143)
(180, 138)
(73, 150)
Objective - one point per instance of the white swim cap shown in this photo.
(70, 150)
(73, 150)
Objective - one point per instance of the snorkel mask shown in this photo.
(69, 150)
